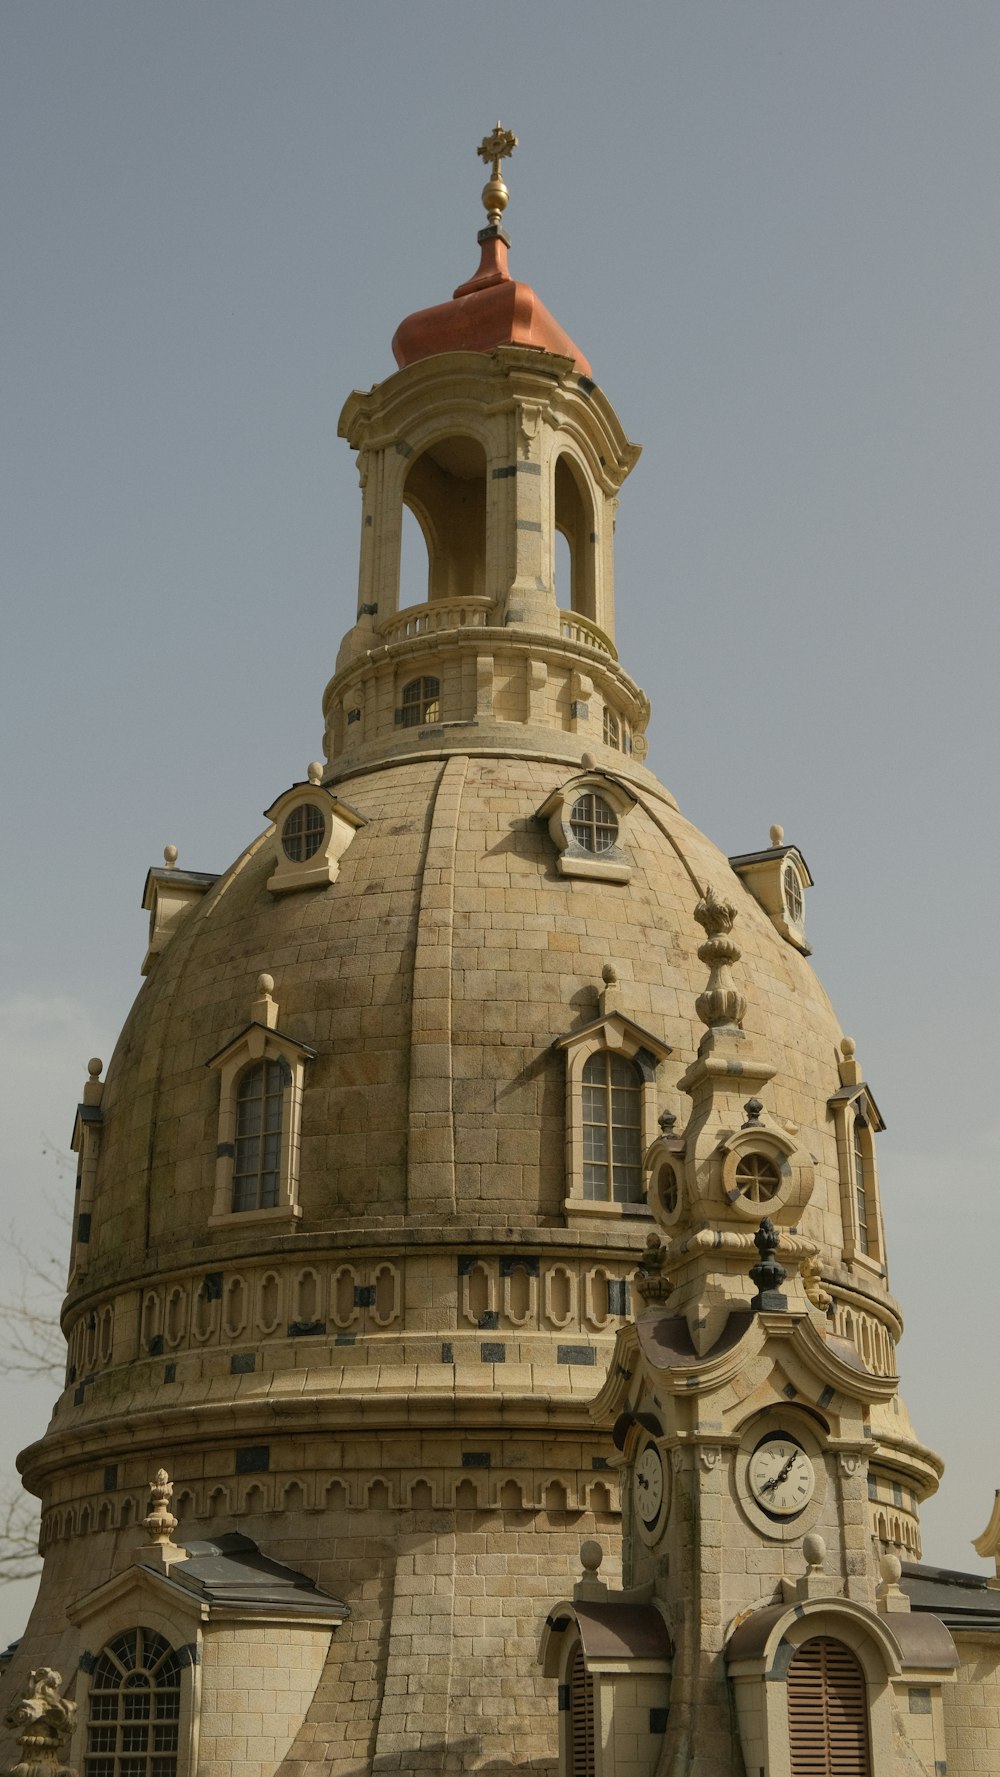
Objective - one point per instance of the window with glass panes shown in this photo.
(257, 1164)
(593, 823)
(612, 1129)
(302, 833)
(134, 1708)
(421, 702)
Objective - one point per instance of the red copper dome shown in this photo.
(492, 309)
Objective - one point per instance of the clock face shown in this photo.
(649, 1486)
(781, 1477)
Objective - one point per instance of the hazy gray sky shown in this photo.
(772, 227)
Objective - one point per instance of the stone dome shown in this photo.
(401, 1104)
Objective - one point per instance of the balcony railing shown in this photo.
(438, 614)
(577, 628)
(474, 613)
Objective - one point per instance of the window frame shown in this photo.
(574, 859)
(612, 1034)
(857, 1121)
(254, 1045)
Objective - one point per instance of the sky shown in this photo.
(772, 228)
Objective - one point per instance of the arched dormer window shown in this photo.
(260, 1098)
(610, 1115)
(420, 702)
(612, 1129)
(261, 1083)
(856, 1120)
(134, 1708)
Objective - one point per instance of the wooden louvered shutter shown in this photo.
(827, 1712)
(581, 1718)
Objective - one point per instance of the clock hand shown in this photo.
(776, 1480)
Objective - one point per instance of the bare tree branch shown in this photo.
(19, 1557)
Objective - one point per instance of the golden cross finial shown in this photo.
(495, 148)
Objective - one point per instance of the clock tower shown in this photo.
(761, 1627)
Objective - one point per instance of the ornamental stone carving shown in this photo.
(721, 1002)
(43, 1720)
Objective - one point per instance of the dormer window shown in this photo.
(586, 820)
(257, 1161)
(778, 879)
(593, 824)
(302, 832)
(420, 703)
(856, 1121)
(794, 901)
(312, 830)
(612, 1129)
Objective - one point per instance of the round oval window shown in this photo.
(302, 833)
(593, 823)
(667, 1183)
(757, 1178)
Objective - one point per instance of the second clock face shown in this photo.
(781, 1477)
(649, 1486)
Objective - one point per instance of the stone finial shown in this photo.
(159, 1520)
(651, 1281)
(890, 1595)
(264, 1009)
(814, 1552)
(93, 1091)
(43, 1721)
(159, 1523)
(667, 1121)
(777, 834)
(170, 856)
(609, 997)
(721, 1003)
(848, 1066)
(588, 761)
(753, 1108)
(314, 771)
(767, 1274)
(588, 1585)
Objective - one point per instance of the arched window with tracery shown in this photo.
(827, 1711)
(259, 1108)
(133, 1719)
(581, 1740)
(612, 1129)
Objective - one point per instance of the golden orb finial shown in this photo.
(495, 148)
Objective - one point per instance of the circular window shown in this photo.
(757, 1178)
(593, 823)
(793, 894)
(666, 1184)
(302, 833)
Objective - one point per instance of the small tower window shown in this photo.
(134, 1708)
(612, 1130)
(793, 894)
(257, 1168)
(303, 832)
(612, 733)
(757, 1178)
(592, 823)
(421, 703)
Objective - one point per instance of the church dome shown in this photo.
(479, 1041)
